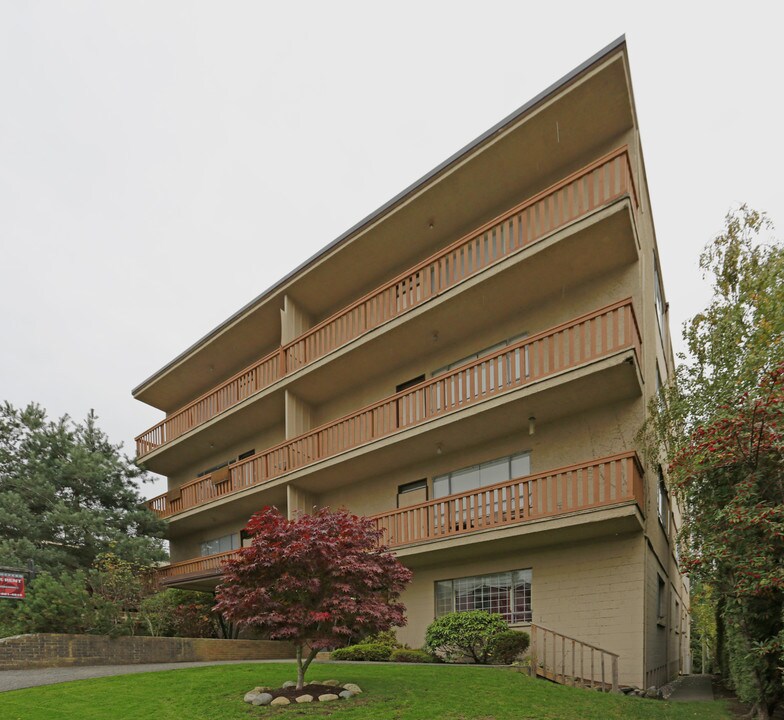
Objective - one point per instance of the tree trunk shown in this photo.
(300, 669)
(302, 666)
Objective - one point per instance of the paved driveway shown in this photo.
(17, 679)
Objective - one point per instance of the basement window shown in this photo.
(506, 593)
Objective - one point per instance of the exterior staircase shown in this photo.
(568, 661)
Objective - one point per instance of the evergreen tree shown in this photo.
(68, 495)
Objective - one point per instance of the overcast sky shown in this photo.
(162, 163)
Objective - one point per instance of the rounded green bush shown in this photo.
(371, 652)
(508, 646)
(406, 655)
(459, 635)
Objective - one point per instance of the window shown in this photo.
(412, 493)
(507, 593)
(657, 294)
(486, 351)
(661, 600)
(476, 476)
(664, 504)
(410, 383)
(211, 470)
(221, 544)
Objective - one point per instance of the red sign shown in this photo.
(12, 585)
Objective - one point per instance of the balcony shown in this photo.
(595, 336)
(604, 483)
(593, 187)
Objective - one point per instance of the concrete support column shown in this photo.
(293, 321)
(299, 416)
(299, 501)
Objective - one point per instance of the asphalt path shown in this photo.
(18, 679)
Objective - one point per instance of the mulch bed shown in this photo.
(313, 689)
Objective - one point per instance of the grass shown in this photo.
(394, 692)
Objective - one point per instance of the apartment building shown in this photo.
(469, 366)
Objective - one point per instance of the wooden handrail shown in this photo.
(567, 346)
(601, 182)
(562, 659)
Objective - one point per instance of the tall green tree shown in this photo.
(67, 495)
(718, 428)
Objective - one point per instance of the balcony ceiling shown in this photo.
(586, 112)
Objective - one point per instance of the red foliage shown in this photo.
(322, 579)
(732, 476)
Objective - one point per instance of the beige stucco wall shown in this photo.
(592, 591)
(503, 323)
(581, 437)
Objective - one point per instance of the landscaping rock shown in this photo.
(251, 696)
(652, 693)
(351, 687)
(334, 683)
(288, 684)
(328, 697)
(262, 699)
(304, 698)
(281, 700)
(346, 694)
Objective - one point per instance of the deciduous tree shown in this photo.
(718, 426)
(319, 581)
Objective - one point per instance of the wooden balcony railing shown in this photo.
(605, 482)
(590, 337)
(600, 183)
(205, 564)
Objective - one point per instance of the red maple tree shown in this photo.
(318, 581)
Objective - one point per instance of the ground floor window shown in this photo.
(506, 593)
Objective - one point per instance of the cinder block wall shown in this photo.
(50, 650)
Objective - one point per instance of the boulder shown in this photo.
(281, 701)
(262, 699)
(351, 687)
(333, 683)
(288, 684)
(304, 698)
(346, 694)
(327, 697)
(251, 696)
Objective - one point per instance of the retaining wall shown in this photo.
(50, 650)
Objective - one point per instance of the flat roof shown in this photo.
(379, 212)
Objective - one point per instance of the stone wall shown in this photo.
(50, 650)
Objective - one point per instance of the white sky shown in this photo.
(162, 163)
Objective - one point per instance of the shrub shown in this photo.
(386, 637)
(55, 605)
(458, 635)
(370, 653)
(508, 646)
(411, 656)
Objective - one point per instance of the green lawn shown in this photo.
(396, 692)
